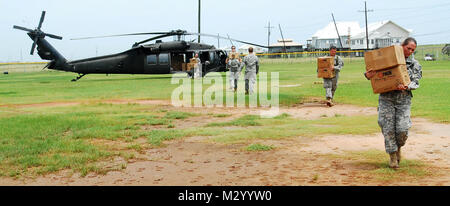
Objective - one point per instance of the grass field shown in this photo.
(39, 140)
(429, 101)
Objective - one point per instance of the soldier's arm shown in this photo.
(257, 66)
(340, 64)
(416, 75)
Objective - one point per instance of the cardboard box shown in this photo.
(384, 58)
(323, 67)
(388, 79)
(190, 66)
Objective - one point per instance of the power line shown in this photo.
(409, 8)
(434, 33)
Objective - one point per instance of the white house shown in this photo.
(244, 49)
(289, 44)
(328, 36)
(381, 34)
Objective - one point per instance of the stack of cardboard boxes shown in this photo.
(390, 66)
(324, 65)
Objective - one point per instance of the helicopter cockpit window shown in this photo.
(163, 58)
(212, 56)
(151, 59)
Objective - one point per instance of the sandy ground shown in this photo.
(295, 161)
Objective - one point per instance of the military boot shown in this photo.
(329, 103)
(399, 156)
(394, 162)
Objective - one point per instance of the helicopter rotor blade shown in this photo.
(34, 45)
(230, 40)
(22, 28)
(41, 21)
(221, 37)
(53, 36)
(119, 35)
(156, 37)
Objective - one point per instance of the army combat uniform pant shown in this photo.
(394, 118)
(330, 85)
(197, 71)
(234, 77)
(250, 80)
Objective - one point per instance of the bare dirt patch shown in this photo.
(294, 161)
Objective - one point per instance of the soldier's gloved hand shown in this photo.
(369, 74)
(402, 87)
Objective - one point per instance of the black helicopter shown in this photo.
(158, 58)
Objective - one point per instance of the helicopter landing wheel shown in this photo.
(79, 77)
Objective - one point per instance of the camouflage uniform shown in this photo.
(198, 68)
(394, 110)
(330, 84)
(251, 63)
(234, 75)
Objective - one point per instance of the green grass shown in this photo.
(179, 115)
(259, 147)
(36, 141)
(52, 86)
(245, 121)
(375, 163)
(251, 127)
(40, 140)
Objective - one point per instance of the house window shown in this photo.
(371, 41)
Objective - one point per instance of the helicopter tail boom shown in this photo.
(45, 50)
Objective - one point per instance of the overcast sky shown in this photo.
(244, 20)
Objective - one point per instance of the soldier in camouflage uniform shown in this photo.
(197, 66)
(251, 63)
(330, 84)
(394, 107)
(231, 61)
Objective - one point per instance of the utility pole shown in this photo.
(337, 31)
(282, 38)
(268, 34)
(218, 41)
(199, 8)
(367, 28)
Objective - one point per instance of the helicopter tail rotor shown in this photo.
(37, 33)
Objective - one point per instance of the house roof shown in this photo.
(287, 42)
(344, 28)
(373, 27)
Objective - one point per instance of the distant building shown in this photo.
(257, 50)
(290, 45)
(326, 37)
(381, 34)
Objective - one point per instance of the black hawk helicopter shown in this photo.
(157, 58)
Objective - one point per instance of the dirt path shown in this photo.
(295, 161)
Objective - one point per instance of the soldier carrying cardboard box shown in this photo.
(394, 108)
(330, 84)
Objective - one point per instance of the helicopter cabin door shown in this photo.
(157, 63)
